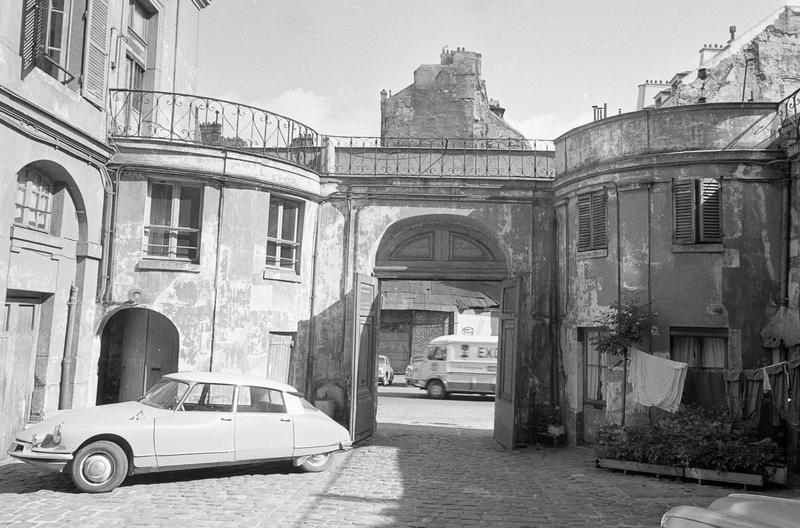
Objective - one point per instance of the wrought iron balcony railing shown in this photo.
(789, 118)
(206, 121)
(453, 157)
(200, 120)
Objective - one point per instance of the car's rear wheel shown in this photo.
(99, 467)
(317, 463)
(436, 390)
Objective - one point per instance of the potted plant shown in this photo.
(624, 325)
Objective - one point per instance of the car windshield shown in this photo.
(166, 394)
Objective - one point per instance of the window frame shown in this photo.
(56, 66)
(697, 211)
(173, 230)
(700, 333)
(592, 221)
(274, 262)
(37, 184)
(587, 335)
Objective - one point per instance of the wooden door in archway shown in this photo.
(139, 346)
(19, 327)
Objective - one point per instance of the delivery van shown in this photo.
(456, 363)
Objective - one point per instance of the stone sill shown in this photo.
(595, 253)
(167, 265)
(281, 275)
(697, 248)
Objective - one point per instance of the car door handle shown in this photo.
(226, 419)
(286, 419)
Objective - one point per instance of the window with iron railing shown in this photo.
(284, 234)
(173, 227)
(34, 201)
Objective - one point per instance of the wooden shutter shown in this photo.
(34, 27)
(584, 222)
(95, 52)
(599, 220)
(710, 211)
(683, 211)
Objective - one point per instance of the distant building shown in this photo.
(760, 64)
(447, 100)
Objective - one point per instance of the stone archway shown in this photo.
(138, 346)
(445, 247)
(439, 274)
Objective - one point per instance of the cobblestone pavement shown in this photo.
(404, 476)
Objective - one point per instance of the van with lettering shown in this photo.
(456, 363)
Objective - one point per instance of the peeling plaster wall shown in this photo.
(351, 231)
(729, 285)
(226, 306)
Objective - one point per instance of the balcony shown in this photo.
(196, 120)
(442, 157)
(789, 119)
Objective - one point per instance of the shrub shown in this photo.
(692, 437)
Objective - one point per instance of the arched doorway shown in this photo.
(138, 346)
(44, 218)
(428, 270)
(440, 274)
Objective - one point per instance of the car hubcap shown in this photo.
(316, 460)
(97, 468)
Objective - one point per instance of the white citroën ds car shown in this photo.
(186, 420)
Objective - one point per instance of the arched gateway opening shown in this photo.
(138, 346)
(437, 275)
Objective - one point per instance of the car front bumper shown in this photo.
(40, 458)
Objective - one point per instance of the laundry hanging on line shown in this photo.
(657, 382)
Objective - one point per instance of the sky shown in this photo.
(324, 62)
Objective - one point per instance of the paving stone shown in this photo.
(404, 476)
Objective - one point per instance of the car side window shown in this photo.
(440, 353)
(209, 397)
(260, 400)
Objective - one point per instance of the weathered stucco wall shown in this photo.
(225, 306)
(684, 128)
(353, 226)
(728, 285)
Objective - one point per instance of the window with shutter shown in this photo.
(697, 211)
(94, 62)
(683, 211)
(710, 209)
(34, 33)
(592, 221)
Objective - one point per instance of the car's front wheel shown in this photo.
(99, 467)
(317, 463)
(436, 390)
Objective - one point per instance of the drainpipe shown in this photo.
(309, 385)
(216, 276)
(68, 361)
(787, 240)
(175, 51)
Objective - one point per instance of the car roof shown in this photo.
(447, 339)
(228, 378)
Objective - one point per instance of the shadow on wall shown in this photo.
(323, 372)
